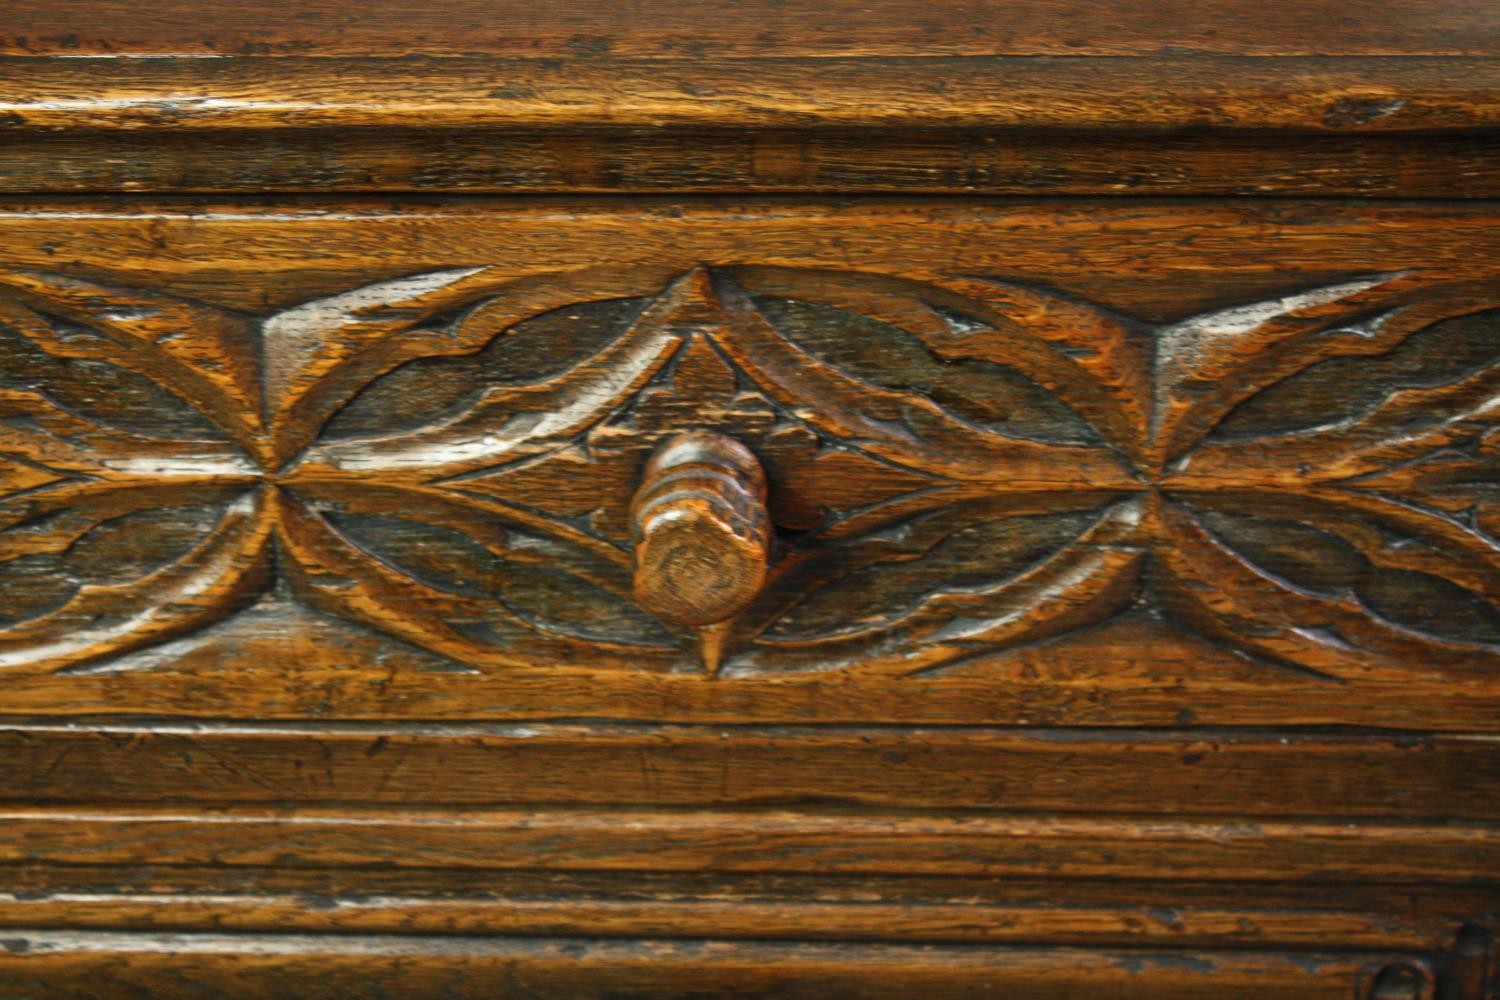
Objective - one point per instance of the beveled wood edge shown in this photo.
(1319, 93)
(269, 692)
(586, 29)
(807, 907)
(62, 962)
(1073, 922)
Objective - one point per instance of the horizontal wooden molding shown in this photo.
(1010, 161)
(1079, 924)
(685, 29)
(760, 841)
(1202, 772)
(1325, 94)
(50, 963)
(1006, 909)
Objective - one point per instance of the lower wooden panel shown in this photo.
(907, 909)
(83, 965)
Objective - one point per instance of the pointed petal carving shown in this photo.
(318, 355)
(71, 602)
(1208, 364)
(510, 422)
(35, 430)
(976, 581)
(463, 584)
(206, 355)
(1430, 381)
(900, 425)
(1324, 597)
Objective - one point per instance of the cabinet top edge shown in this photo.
(698, 29)
(1216, 94)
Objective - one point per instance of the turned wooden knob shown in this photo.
(702, 535)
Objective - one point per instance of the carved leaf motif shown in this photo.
(113, 353)
(509, 422)
(1053, 368)
(946, 586)
(114, 571)
(1209, 364)
(902, 424)
(1429, 381)
(946, 395)
(1327, 589)
(544, 434)
(125, 516)
(1340, 509)
(458, 581)
(321, 353)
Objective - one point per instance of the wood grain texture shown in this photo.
(1332, 95)
(696, 28)
(1193, 161)
(1173, 773)
(700, 531)
(1007, 910)
(1126, 571)
(973, 475)
(1172, 97)
(88, 965)
(765, 841)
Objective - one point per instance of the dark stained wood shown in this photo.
(1202, 773)
(1000, 161)
(775, 499)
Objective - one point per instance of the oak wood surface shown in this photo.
(791, 28)
(1202, 772)
(1119, 527)
(824, 907)
(1126, 604)
(1325, 94)
(72, 965)
(1013, 161)
(1058, 97)
(764, 841)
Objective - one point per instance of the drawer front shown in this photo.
(1053, 464)
(869, 598)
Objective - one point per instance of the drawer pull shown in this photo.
(700, 529)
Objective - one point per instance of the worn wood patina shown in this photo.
(750, 500)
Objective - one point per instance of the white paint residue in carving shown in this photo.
(432, 449)
(1240, 320)
(186, 466)
(294, 337)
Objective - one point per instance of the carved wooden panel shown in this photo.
(962, 465)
